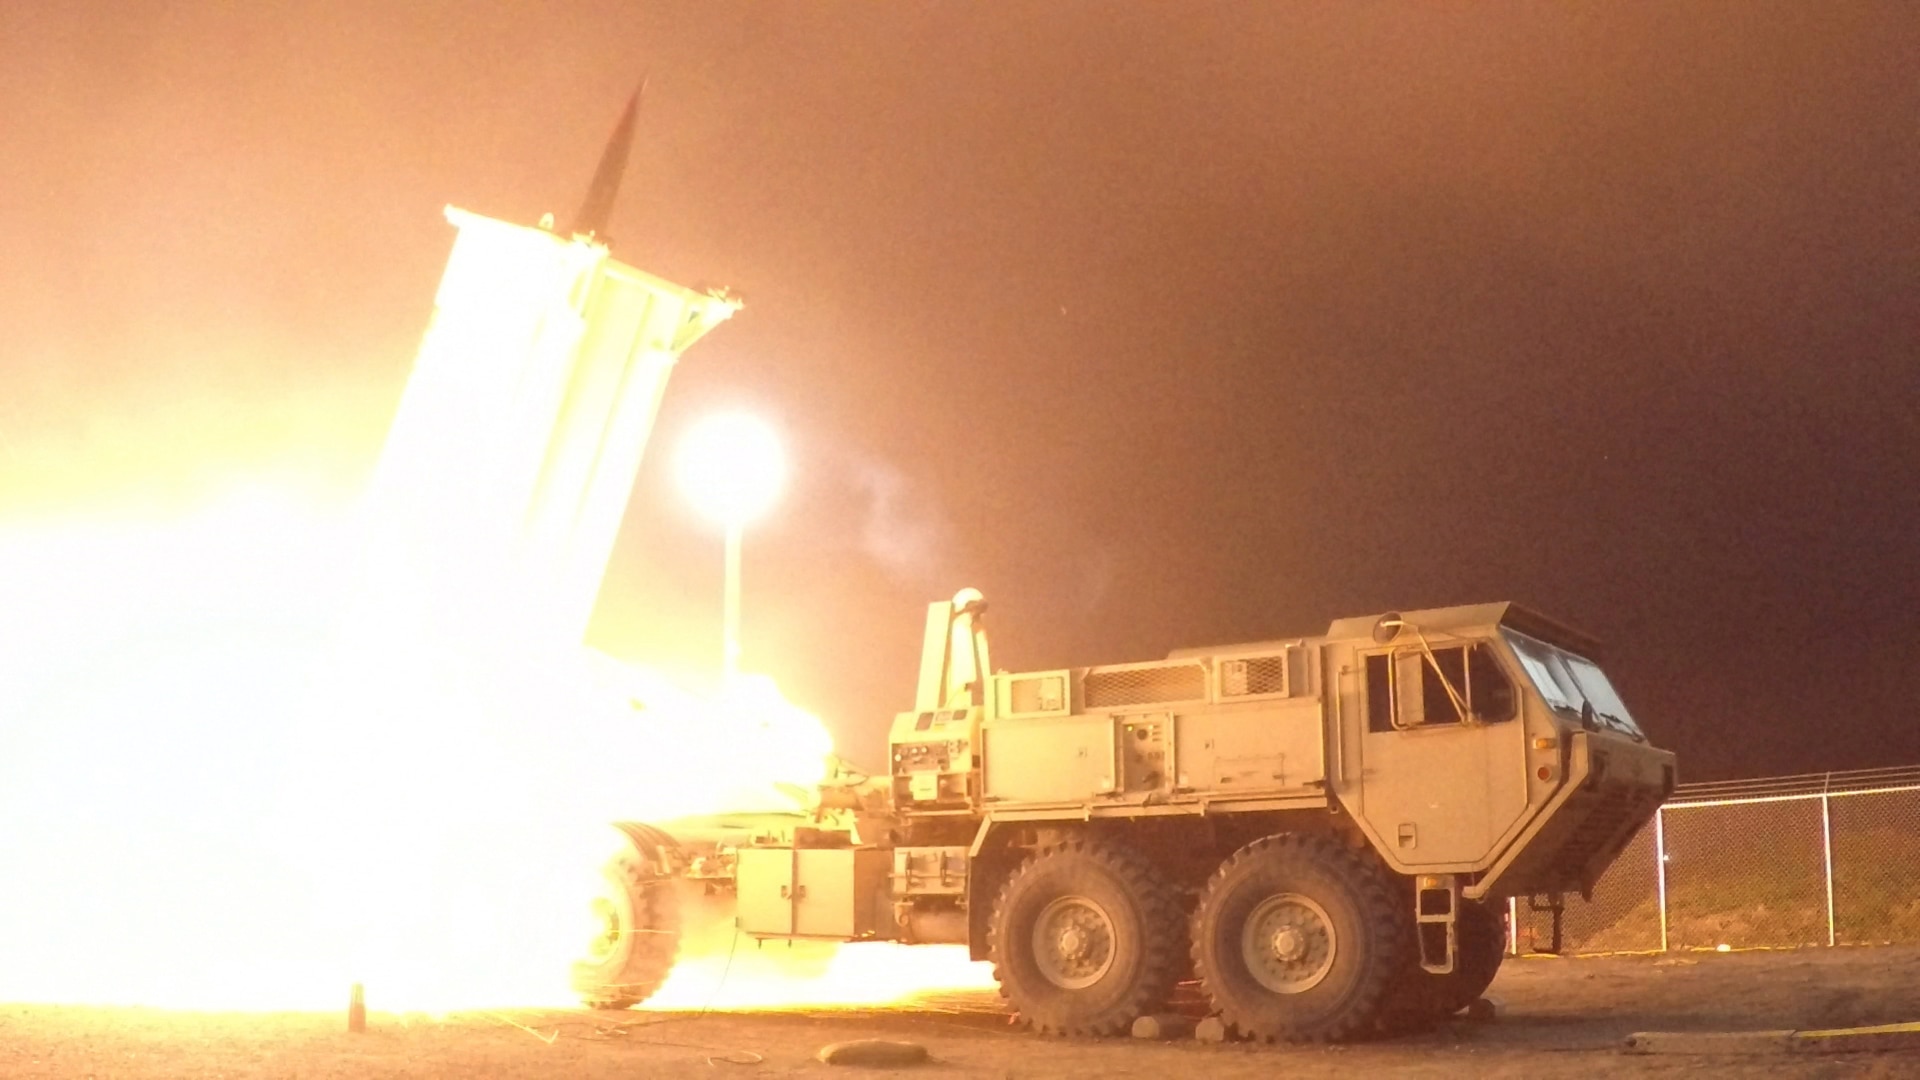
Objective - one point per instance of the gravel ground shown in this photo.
(1563, 1018)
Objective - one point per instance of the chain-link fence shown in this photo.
(1825, 859)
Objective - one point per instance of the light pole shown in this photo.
(731, 467)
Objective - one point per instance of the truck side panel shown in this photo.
(1249, 749)
(1053, 759)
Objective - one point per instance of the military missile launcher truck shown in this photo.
(1323, 831)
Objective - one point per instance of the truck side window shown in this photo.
(1489, 690)
(1473, 674)
(1450, 664)
(1469, 671)
(1380, 692)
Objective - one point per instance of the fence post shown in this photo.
(1826, 848)
(1660, 868)
(1513, 926)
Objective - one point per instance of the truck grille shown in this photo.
(1615, 814)
(1253, 675)
(1145, 686)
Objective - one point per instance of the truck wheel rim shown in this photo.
(1288, 943)
(608, 914)
(1073, 942)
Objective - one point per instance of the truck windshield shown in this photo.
(1569, 681)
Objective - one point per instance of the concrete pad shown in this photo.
(1709, 1042)
(1823, 1041)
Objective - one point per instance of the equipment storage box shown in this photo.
(814, 892)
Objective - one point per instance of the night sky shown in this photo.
(1164, 324)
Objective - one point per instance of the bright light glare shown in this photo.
(184, 712)
(731, 466)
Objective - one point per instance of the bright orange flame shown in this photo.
(216, 791)
(259, 751)
(776, 975)
(156, 681)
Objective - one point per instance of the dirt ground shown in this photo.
(1563, 1018)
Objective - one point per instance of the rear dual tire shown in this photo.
(1085, 937)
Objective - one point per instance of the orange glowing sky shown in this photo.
(1163, 326)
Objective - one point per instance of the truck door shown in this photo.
(1443, 757)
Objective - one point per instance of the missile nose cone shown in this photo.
(597, 206)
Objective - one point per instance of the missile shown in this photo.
(597, 207)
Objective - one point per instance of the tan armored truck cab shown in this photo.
(1323, 829)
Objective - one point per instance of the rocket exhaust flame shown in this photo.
(260, 752)
(199, 808)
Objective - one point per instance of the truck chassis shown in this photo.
(1323, 830)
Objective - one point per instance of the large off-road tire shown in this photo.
(1298, 939)
(1086, 937)
(637, 925)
